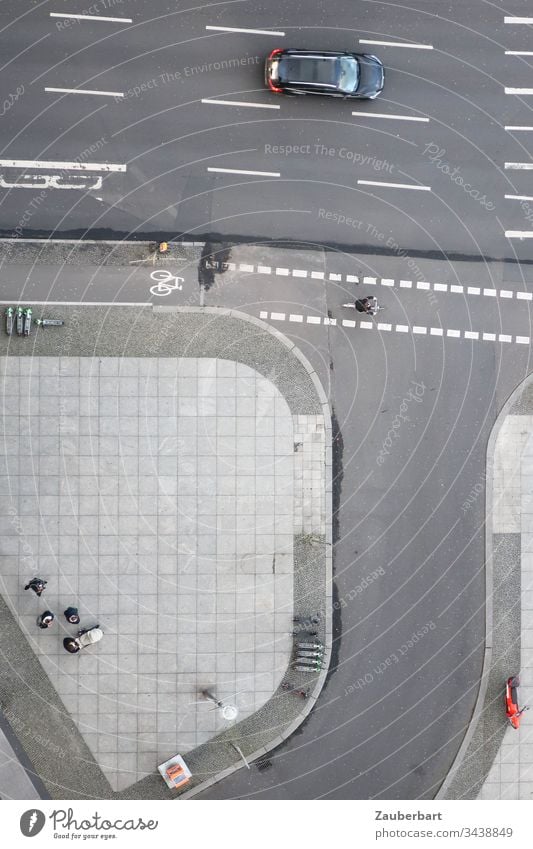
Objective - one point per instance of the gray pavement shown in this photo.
(163, 497)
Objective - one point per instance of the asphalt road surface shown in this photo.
(438, 163)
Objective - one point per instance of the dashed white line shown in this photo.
(440, 287)
(277, 316)
(346, 322)
(436, 331)
(317, 275)
(471, 334)
(296, 318)
(91, 18)
(518, 90)
(85, 91)
(490, 293)
(503, 337)
(406, 284)
(245, 267)
(420, 330)
(240, 103)
(506, 293)
(519, 234)
(518, 197)
(522, 340)
(60, 166)
(524, 296)
(519, 166)
(316, 319)
(240, 171)
(283, 272)
(511, 19)
(395, 185)
(473, 290)
(391, 117)
(489, 337)
(412, 46)
(402, 328)
(453, 334)
(244, 29)
(14, 301)
(511, 129)
(299, 272)
(264, 269)
(519, 52)
(383, 326)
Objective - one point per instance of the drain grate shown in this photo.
(263, 763)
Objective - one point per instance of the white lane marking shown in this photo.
(519, 234)
(264, 269)
(244, 267)
(347, 322)
(512, 129)
(85, 91)
(240, 103)
(402, 328)
(277, 316)
(406, 284)
(352, 278)
(263, 314)
(519, 197)
(335, 277)
(391, 117)
(421, 330)
(511, 19)
(489, 337)
(490, 293)
(60, 166)
(369, 281)
(317, 275)
(330, 321)
(52, 181)
(454, 334)
(383, 326)
(471, 334)
(366, 325)
(519, 166)
(395, 185)
(436, 331)
(518, 90)
(421, 284)
(283, 272)
(244, 29)
(316, 319)
(440, 287)
(519, 52)
(522, 340)
(505, 293)
(503, 337)
(91, 18)
(524, 296)
(387, 282)
(473, 290)
(458, 290)
(14, 301)
(239, 171)
(396, 44)
(299, 272)
(297, 318)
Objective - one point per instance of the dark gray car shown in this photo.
(330, 73)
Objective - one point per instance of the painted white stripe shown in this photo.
(396, 44)
(14, 302)
(283, 272)
(346, 322)
(489, 293)
(473, 290)
(519, 52)
(402, 328)
(85, 91)
(506, 293)
(317, 275)
(512, 129)
(518, 197)
(422, 330)
(239, 171)
(277, 316)
(519, 166)
(232, 266)
(524, 296)
(369, 281)
(518, 90)
(298, 318)
(455, 334)
(330, 321)
(441, 287)
(263, 314)
(385, 281)
(264, 269)
(519, 234)
(351, 278)
(391, 117)
(471, 334)
(458, 290)
(503, 337)
(240, 103)
(91, 18)
(436, 331)
(396, 185)
(511, 19)
(244, 267)
(335, 277)
(522, 340)
(299, 272)
(314, 319)
(60, 166)
(421, 284)
(366, 325)
(406, 284)
(244, 29)
(489, 337)
(383, 326)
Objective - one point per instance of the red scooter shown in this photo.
(512, 710)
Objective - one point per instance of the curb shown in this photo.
(321, 678)
(487, 656)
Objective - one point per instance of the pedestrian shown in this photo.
(45, 619)
(71, 645)
(86, 637)
(37, 585)
(71, 615)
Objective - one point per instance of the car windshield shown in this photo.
(307, 69)
(349, 74)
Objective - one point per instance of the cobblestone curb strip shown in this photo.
(488, 725)
(53, 743)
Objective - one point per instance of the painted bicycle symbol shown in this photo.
(165, 282)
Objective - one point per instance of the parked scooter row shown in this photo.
(20, 321)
